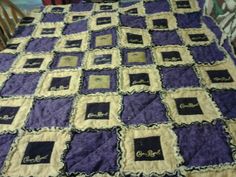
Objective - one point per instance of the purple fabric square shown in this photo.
(50, 17)
(113, 81)
(132, 21)
(189, 20)
(50, 113)
(157, 6)
(57, 57)
(212, 26)
(111, 31)
(179, 76)
(207, 54)
(226, 101)
(125, 56)
(41, 44)
(76, 27)
(5, 144)
(21, 84)
(203, 144)
(6, 61)
(166, 38)
(228, 48)
(143, 108)
(24, 31)
(94, 151)
(81, 7)
(128, 3)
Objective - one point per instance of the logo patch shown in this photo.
(198, 37)
(160, 23)
(188, 106)
(220, 76)
(171, 56)
(184, 4)
(33, 63)
(7, 114)
(97, 111)
(57, 10)
(139, 79)
(103, 20)
(73, 44)
(27, 20)
(102, 59)
(134, 38)
(60, 83)
(48, 31)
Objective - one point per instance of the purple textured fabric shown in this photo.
(143, 108)
(50, 17)
(111, 31)
(226, 101)
(6, 61)
(24, 31)
(41, 44)
(81, 7)
(207, 54)
(133, 21)
(203, 144)
(57, 57)
(50, 113)
(212, 26)
(189, 20)
(127, 4)
(180, 76)
(93, 151)
(21, 84)
(113, 81)
(76, 27)
(228, 48)
(125, 56)
(5, 144)
(166, 38)
(157, 6)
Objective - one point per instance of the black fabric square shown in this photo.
(139, 79)
(12, 46)
(171, 56)
(7, 114)
(73, 43)
(188, 106)
(48, 30)
(220, 76)
(185, 4)
(106, 7)
(102, 59)
(97, 111)
(38, 152)
(103, 20)
(160, 23)
(60, 83)
(33, 63)
(148, 149)
(57, 10)
(132, 11)
(77, 17)
(134, 38)
(198, 37)
(27, 20)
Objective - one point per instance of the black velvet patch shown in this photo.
(48, 31)
(97, 111)
(148, 149)
(33, 63)
(220, 76)
(73, 43)
(7, 114)
(60, 83)
(134, 38)
(132, 11)
(103, 59)
(38, 152)
(77, 17)
(27, 20)
(12, 46)
(103, 20)
(106, 7)
(160, 23)
(184, 4)
(139, 79)
(188, 106)
(198, 37)
(57, 10)
(171, 56)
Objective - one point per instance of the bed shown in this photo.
(141, 88)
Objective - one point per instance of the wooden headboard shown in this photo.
(10, 15)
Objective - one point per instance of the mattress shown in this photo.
(118, 89)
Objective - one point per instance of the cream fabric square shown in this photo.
(136, 9)
(223, 171)
(197, 36)
(220, 75)
(3, 78)
(168, 148)
(82, 38)
(20, 42)
(144, 79)
(14, 166)
(104, 20)
(190, 105)
(56, 9)
(77, 16)
(142, 34)
(18, 109)
(97, 111)
(48, 30)
(232, 131)
(106, 7)
(100, 59)
(169, 17)
(59, 83)
(32, 62)
(188, 6)
(172, 55)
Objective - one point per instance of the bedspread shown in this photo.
(142, 88)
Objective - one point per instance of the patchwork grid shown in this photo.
(117, 89)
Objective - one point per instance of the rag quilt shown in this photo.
(130, 89)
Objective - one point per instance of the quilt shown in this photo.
(130, 89)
